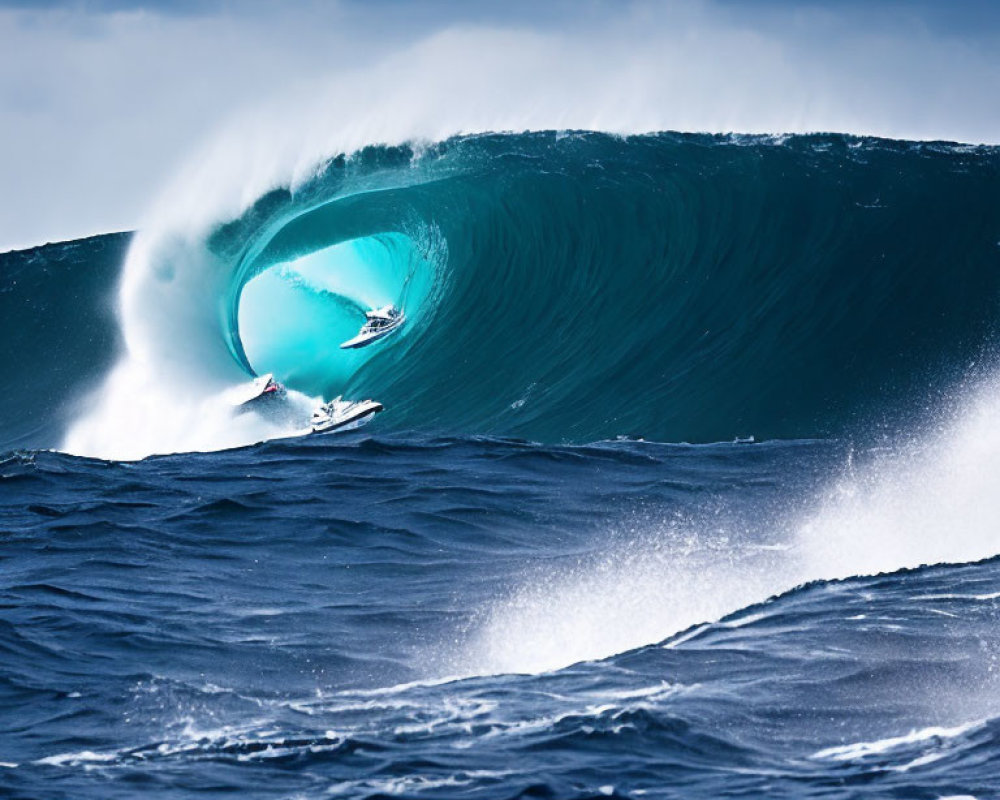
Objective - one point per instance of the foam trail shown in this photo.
(861, 750)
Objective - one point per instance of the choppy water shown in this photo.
(442, 617)
(430, 608)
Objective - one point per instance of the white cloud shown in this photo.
(98, 111)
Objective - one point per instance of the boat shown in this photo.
(264, 389)
(340, 415)
(379, 323)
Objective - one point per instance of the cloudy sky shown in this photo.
(104, 103)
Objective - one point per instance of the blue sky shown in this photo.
(957, 17)
(104, 102)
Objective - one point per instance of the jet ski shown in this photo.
(264, 389)
(379, 323)
(343, 415)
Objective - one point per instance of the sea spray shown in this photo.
(929, 499)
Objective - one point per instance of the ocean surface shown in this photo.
(685, 486)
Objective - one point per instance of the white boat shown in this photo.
(343, 415)
(379, 323)
(260, 390)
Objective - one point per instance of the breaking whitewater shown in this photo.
(685, 484)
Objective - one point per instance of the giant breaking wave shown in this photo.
(561, 287)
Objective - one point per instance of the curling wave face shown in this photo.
(574, 287)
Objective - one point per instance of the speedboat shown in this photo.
(259, 391)
(379, 323)
(343, 415)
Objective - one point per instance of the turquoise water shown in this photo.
(294, 315)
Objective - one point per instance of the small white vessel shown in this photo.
(379, 323)
(260, 390)
(343, 415)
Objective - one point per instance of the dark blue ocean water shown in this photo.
(405, 615)
(431, 608)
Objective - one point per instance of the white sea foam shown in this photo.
(861, 750)
(81, 758)
(145, 408)
(415, 784)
